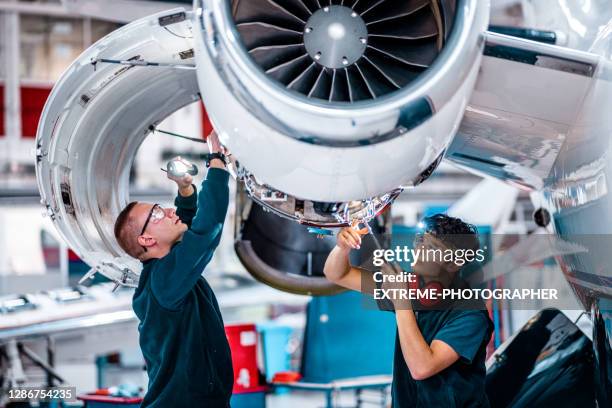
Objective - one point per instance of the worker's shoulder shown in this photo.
(144, 290)
(147, 302)
(469, 313)
(473, 317)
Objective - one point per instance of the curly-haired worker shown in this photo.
(439, 351)
(182, 336)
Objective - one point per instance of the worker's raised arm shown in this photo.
(174, 275)
(186, 205)
(460, 338)
(186, 201)
(338, 268)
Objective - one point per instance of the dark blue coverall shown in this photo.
(182, 336)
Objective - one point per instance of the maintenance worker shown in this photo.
(440, 349)
(182, 336)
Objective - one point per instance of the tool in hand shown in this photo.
(179, 167)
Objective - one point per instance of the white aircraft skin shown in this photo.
(547, 131)
(533, 115)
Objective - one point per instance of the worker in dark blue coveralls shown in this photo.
(440, 351)
(182, 335)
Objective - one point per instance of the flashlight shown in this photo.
(178, 167)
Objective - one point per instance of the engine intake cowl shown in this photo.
(343, 102)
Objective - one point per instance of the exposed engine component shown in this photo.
(342, 52)
(282, 254)
(315, 213)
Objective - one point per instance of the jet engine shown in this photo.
(329, 110)
(344, 102)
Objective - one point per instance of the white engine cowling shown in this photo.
(347, 115)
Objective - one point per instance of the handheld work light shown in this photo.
(178, 167)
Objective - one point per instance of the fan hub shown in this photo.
(335, 36)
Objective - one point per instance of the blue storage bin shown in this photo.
(274, 340)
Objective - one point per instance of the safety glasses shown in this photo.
(155, 216)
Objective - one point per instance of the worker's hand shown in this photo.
(184, 183)
(349, 238)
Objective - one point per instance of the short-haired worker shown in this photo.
(440, 352)
(182, 335)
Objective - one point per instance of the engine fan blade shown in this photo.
(362, 49)
(303, 83)
(378, 83)
(313, 5)
(322, 85)
(417, 55)
(382, 72)
(392, 10)
(372, 7)
(288, 71)
(267, 11)
(340, 89)
(398, 72)
(295, 7)
(274, 55)
(415, 27)
(361, 6)
(360, 88)
(259, 34)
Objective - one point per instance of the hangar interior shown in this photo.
(526, 164)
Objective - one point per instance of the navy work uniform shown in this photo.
(181, 330)
(463, 383)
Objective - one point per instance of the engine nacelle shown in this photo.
(337, 103)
